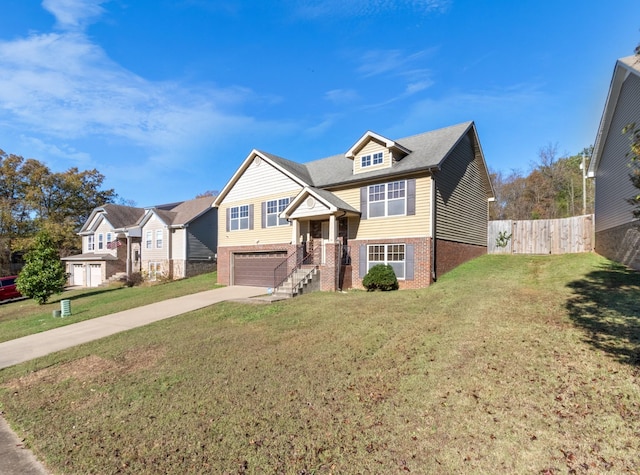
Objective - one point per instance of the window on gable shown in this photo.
(390, 254)
(274, 208)
(109, 239)
(158, 238)
(239, 218)
(387, 199)
(100, 241)
(149, 240)
(90, 245)
(368, 160)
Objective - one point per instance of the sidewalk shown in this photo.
(14, 458)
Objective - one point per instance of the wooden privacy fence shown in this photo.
(541, 236)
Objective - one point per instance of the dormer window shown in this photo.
(372, 159)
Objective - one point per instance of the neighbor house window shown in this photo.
(273, 209)
(387, 199)
(100, 242)
(149, 239)
(368, 160)
(109, 239)
(158, 238)
(155, 270)
(239, 217)
(90, 245)
(391, 254)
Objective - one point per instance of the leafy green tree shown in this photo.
(43, 274)
(632, 130)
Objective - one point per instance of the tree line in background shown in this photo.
(555, 188)
(34, 199)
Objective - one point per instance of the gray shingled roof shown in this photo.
(429, 149)
(189, 210)
(118, 215)
(297, 169)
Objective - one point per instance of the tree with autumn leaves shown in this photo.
(34, 199)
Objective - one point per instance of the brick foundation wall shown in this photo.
(450, 254)
(193, 268)
(421, 257)
(621, 244)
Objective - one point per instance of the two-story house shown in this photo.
(169, 241)
(419, 204)
(616, 231)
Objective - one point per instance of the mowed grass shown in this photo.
(509, 364)
(23, 317)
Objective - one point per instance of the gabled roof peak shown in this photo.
(369, 135)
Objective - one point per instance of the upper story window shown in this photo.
(149, 240)
(100, 241)
(387, 199)
(159, 238)
(109, 239)
(90, 245)
(239, 217)
(372, 159)
(273, 209)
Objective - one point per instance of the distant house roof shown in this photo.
(623, 67)
(182, 213)
(118, 215)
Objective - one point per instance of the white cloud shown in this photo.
(341, 96)
(74, 14)
(313, 9)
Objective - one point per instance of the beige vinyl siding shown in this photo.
(257, 235)
(178, 237)
(103, 228)
(461, 197)
(370, 148)
(613, 186)
(417, 225)
(154, 253)
(261, 180)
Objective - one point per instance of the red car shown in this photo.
(8, 288)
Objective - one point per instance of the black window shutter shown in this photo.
(363, 260)
(364, 195)
(228, 218)
(409, 262)
(251, 216)
(411, 197)
(264, 215)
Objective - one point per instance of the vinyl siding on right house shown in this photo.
(461, 197)
(613, 187)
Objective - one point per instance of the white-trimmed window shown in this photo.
(391, 254)
(100, 242)
(387, 199)
(149, 240)
(373, 159)
(90, 244)
(109, 239)
(239, 217)
(273, 209)
(159, 238)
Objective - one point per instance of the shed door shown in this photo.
(95, 275)
(256, 268)
(78, 278)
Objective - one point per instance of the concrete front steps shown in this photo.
(303, 280)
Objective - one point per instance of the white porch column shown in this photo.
(332, 228)
(295, 232)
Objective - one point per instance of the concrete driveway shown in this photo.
(40, 344)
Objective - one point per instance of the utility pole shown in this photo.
(583, 167)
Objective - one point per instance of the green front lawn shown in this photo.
(509, 364)
(24, 317)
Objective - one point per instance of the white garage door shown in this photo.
(95, 275)
(78, 277)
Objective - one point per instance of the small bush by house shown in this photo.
(380, 277)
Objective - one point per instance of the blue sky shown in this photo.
(167, 97)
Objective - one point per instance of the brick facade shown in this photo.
(451, 254)
(422, 261)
